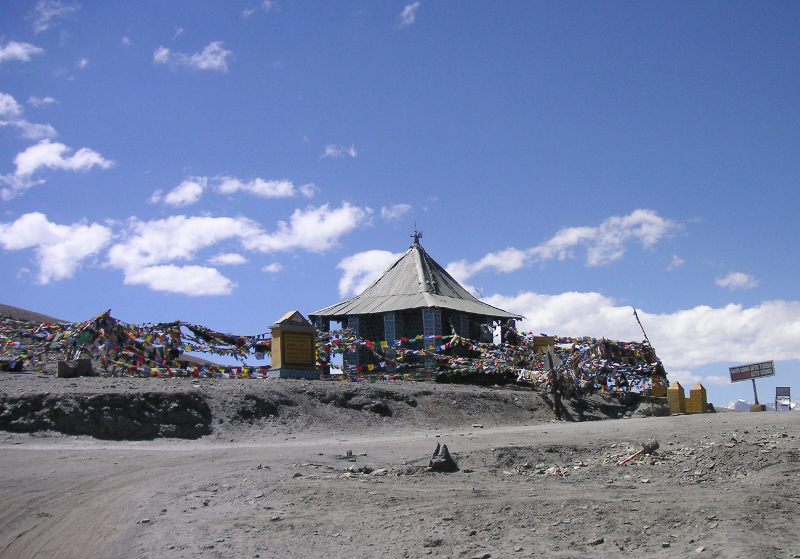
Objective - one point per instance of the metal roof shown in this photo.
(415, 280)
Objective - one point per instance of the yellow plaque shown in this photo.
(297, 349)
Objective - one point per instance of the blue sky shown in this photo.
(225, 162)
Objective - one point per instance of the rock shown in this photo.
(597, 541)
(442, 461)
(432, 542)
(650, 446)
(700, 549)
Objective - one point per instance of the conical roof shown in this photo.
(414, 281)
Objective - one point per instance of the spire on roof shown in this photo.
(416, 235)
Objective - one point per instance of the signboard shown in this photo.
(752, 371)
(783, 392)
(298, 349)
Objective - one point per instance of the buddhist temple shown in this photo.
(415, 296)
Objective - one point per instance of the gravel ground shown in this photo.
(305, 469)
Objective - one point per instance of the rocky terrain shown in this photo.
(310, 469)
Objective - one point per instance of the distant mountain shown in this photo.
(7, 311)
(744, 405)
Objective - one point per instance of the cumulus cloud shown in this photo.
(150, 243)
(9, 108)
(333, 151)
(48, 155)
(11, 115)
(21, 52)
(313, 229)
(395, 211)
(49, 13)
(684, 339)
(191, 189)
(194, 281)
(82, 63)
(604, 244)
(409, 14)
(363, 268)
(59, 249)
(214, 57)
(263, 188)
(228, 259)
(272, 268)
(737, 280)
(40, 102)
(148, 251)
(185, 194)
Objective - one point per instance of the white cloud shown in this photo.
(213, 57)
(313, 229)
(39, 102)
(178, 33)
(149, 243)
(676, 262)
(33, 131)
(59, 249)
(147, 247)
(363, 268)
(185, 194)
(604, 244)
(126, 41)
(11, 115)
(266, 5)
(194, 281)
(395, 211)
(263, 188)
(20, 52)
(737, 280)
(683, 339)
(273, 268)
(409, 14)
(161, 55)
(48, 13)
(192, 189)
(48, 155)
(82, 63)
(309, 190)
(9, 108)
(333, 151)
(228, 259)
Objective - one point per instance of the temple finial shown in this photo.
(417, 235)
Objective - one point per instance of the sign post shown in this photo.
(783, 397)
(752, 372)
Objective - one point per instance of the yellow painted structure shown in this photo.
(542, 343)
(293, 348)
(698, 400)
(676, 398)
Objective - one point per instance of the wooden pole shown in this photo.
(755, 393)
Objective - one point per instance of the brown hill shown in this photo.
(7, 311)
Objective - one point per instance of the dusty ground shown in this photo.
(272, 479)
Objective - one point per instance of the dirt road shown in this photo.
(720, 485)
